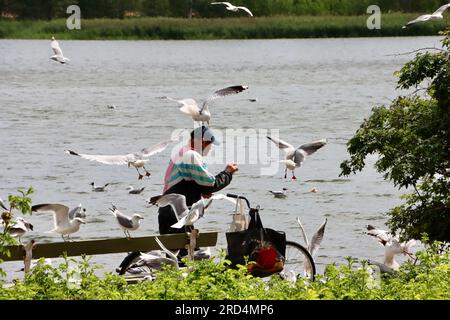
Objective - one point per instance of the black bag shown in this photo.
(252, 242)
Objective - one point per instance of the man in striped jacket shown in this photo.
(188, 175)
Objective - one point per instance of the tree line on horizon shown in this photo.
(52, 9)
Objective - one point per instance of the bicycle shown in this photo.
(296, 259)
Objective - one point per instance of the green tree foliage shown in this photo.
(50, 9)
(412, 139)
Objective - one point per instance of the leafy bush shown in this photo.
(427, 278)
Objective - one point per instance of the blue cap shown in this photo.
(204, 134)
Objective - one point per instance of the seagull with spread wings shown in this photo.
(58, 56)
(136, 159)
(233, 8)
(392, 246)
(66, 221)
(186, 216)
(295, 157)
(19, 227)
(313, 245)
(437, 15)
(202, 114)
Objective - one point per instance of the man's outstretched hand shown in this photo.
(231, 168)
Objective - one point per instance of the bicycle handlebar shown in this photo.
(239, 197)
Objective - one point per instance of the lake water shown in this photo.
(307, 89)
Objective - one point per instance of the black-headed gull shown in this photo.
(125, 222)
(135, 159)
(233, 8)
(132, 190)
(65, 221)
(392, 246)
(58, 56)
(186, 216)
(279, 194)
(437, 15)
(190, 106)
(295, 157)
(98, 188)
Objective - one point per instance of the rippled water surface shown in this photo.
(306, 89)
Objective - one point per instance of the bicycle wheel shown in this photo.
(298, 261)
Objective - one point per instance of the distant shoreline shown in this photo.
(277, 27)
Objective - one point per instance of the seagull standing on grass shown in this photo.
(186, 216)
(392, 246)
(437, 15)
(295, 157)
(136, 159)
(65, 222)
(125, 222)
(58, 56)
(233, 8)
(190, 106)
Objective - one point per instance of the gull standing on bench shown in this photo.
(65, 222)
(125, 222)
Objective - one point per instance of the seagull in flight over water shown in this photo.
(65, 221)
(295, 157)
(136, 159)
(58, 56)
(231, 7)
(202, 114)
(437, 15)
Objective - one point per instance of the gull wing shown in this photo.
(220, 196)
(382, 236)
(223, 93)
(3, 205)
(107, 159)
(157, 148)
(176, 201)
(303, 233)
(317, 239)
(74, 212)
(190, 106)
(60, 212)
(310, 148)
(246, 10)
(56, 49)
(225, 3)
(283, 145)
(169, 253)
(442, 9)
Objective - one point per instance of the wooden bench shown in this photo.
(109, 246)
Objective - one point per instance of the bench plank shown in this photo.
(109, 246)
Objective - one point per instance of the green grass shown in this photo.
(231, 28)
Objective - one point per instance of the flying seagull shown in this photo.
(231, 7)
(202, 114)
(125, 222)
(132, 190)
(437, 15)
(295, 157)
(279, 194)
(98, 188)
(392, 246)
(65, 221)
(136, 159)
(58, 56)
(19, 228)
(186, 216)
